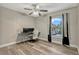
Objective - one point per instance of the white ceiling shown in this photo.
(51, 7)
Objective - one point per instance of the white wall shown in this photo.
(78, 29)
(11, 23)
(43, 24)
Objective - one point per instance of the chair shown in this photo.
(36, 35)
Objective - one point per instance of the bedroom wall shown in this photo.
(43, 24)
(78, 29)
(12, 23)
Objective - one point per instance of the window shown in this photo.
(56, 26)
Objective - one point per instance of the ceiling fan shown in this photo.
(35, 10)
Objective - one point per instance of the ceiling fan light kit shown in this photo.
(35, 11)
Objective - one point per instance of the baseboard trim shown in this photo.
(75, 46)
(57, 42)
(4, 45)
(7, 44)
(44, 39)
(11, 43)
(52, 41)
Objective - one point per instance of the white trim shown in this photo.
(57, 42)
(75, 47)
(52, 41)
(44, 39)
(4, 45)
(7, 44)
(61, 43)
(11, 43)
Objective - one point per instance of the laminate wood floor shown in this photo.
(38, 48)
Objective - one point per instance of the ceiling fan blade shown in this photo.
(44, 10)
(30, 13)
(39, 14)
(27, 9)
